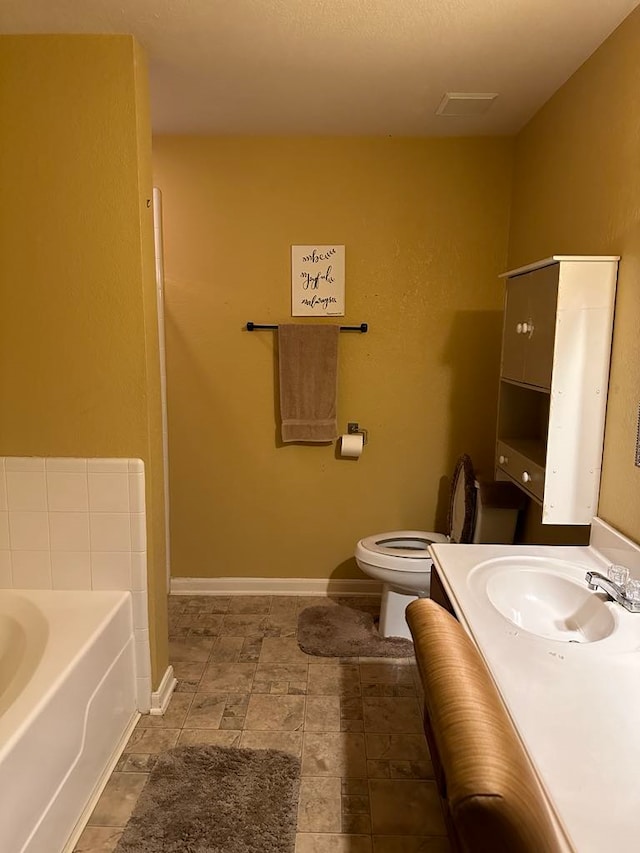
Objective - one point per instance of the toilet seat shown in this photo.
(400, 561)
(406, 550)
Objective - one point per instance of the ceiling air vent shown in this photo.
(465, 103)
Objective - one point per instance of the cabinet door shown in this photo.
(514, 342)
(541, 325)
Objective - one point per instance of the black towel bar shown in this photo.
(363, 327)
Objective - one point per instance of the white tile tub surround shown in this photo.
(78, 524)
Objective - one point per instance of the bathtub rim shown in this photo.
(119, 597)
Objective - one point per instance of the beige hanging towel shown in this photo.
(308, 361)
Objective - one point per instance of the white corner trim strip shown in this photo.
(160, 698)
(274, 586)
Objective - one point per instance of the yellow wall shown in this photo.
(78, 328)
(425, 227)
(577, 191)
(424, 223)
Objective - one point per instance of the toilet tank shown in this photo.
(497, 508)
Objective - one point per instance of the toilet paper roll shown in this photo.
(351, 445)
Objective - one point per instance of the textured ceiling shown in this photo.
(347, 67)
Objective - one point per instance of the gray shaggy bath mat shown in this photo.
(213, 799)
(346, 632)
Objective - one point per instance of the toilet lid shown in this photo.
(462, 508)
(410, 544)
(413, 545)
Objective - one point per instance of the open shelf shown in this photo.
(523, 415)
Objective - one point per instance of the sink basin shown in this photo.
(550, 604)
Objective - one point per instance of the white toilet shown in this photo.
(400, 558)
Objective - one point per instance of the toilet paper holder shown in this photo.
(353, 428)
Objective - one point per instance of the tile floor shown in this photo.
(356, 723)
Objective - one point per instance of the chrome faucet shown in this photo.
(597, 581)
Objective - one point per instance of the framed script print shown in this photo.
(317, 281)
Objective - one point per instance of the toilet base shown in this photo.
(393, 622)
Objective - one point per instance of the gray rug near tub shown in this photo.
(346, 632)
(212, 799)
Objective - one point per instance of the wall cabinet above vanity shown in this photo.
(554, 372)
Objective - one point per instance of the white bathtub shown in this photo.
(67, 697)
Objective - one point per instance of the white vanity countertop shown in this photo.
(576, 706)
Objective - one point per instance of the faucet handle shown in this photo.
(618, 574)
(632, 590)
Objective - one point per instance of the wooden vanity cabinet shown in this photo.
(554, 374)
(437, 593)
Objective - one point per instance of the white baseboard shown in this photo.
(274, 586)
(161, 697)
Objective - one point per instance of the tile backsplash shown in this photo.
(78, 524)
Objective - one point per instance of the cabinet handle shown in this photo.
(503, 460)
(524, 328)
(526, 477)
